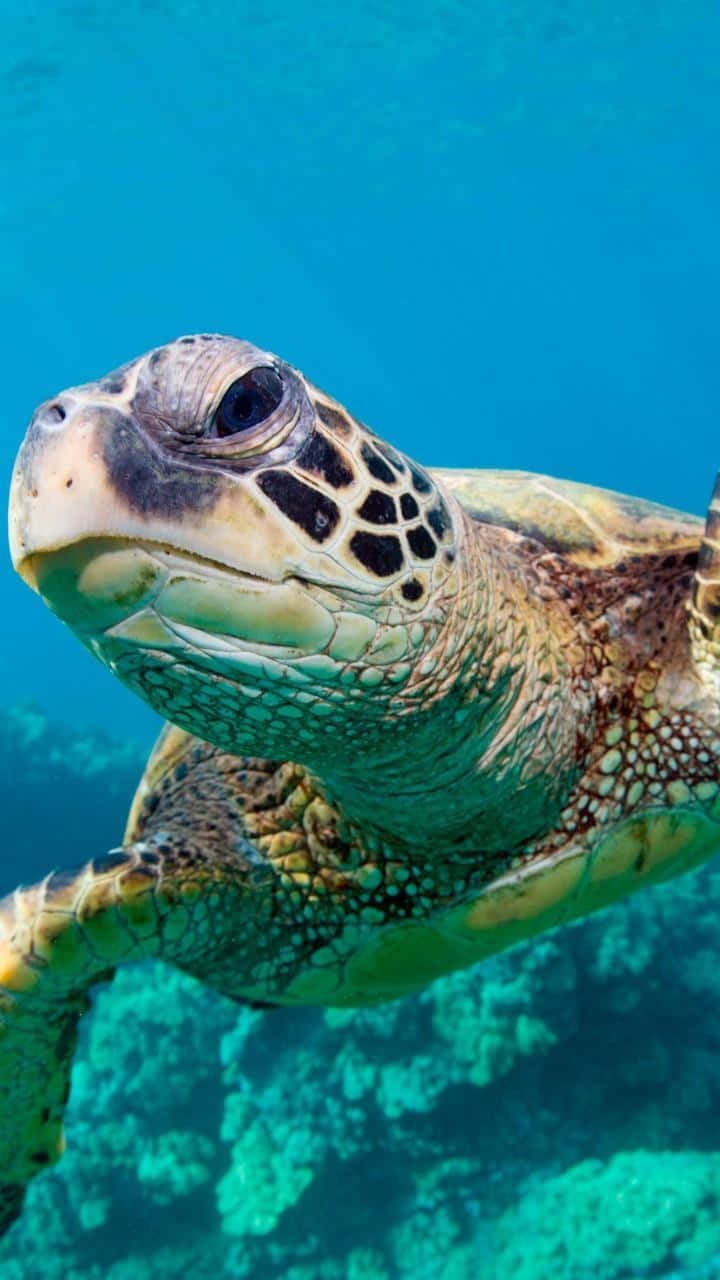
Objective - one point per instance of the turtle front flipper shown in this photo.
(59, 938)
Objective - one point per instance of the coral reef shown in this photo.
(641, 1211)
(552, 1112)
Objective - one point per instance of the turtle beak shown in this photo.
(27, 572)
(56, 524)
(94, 584)
(44, 507)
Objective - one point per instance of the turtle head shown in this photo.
(251, 560)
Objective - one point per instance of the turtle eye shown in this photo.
(248, 401)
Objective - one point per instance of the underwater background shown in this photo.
(490, 229)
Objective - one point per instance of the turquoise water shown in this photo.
(491, 230)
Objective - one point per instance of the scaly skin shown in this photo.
(503, 721)
(458, 699)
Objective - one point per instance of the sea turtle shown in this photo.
(415, 715)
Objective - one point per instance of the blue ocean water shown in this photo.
(491, 229)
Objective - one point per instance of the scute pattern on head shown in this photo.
(381, 529)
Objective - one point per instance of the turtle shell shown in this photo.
(591, 527)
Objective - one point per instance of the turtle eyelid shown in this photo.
(248, 402)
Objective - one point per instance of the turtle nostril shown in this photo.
(50, 414)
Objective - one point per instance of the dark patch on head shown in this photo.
(388, 452)
(40, 1157)
(421, 482)
(186, 341)
(181, 771)
(412, 590)
(450, 557)
(378, 508)
(150, 482)
(420, 543)
(691, 559)
(408, 506)
(333, 419)
(109, 862)
(320, 457)
(439, 520)
(710, 607)
(305, 506)
(380, 553)
(376, 466)
(60, 880)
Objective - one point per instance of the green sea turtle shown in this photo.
(419, 715)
